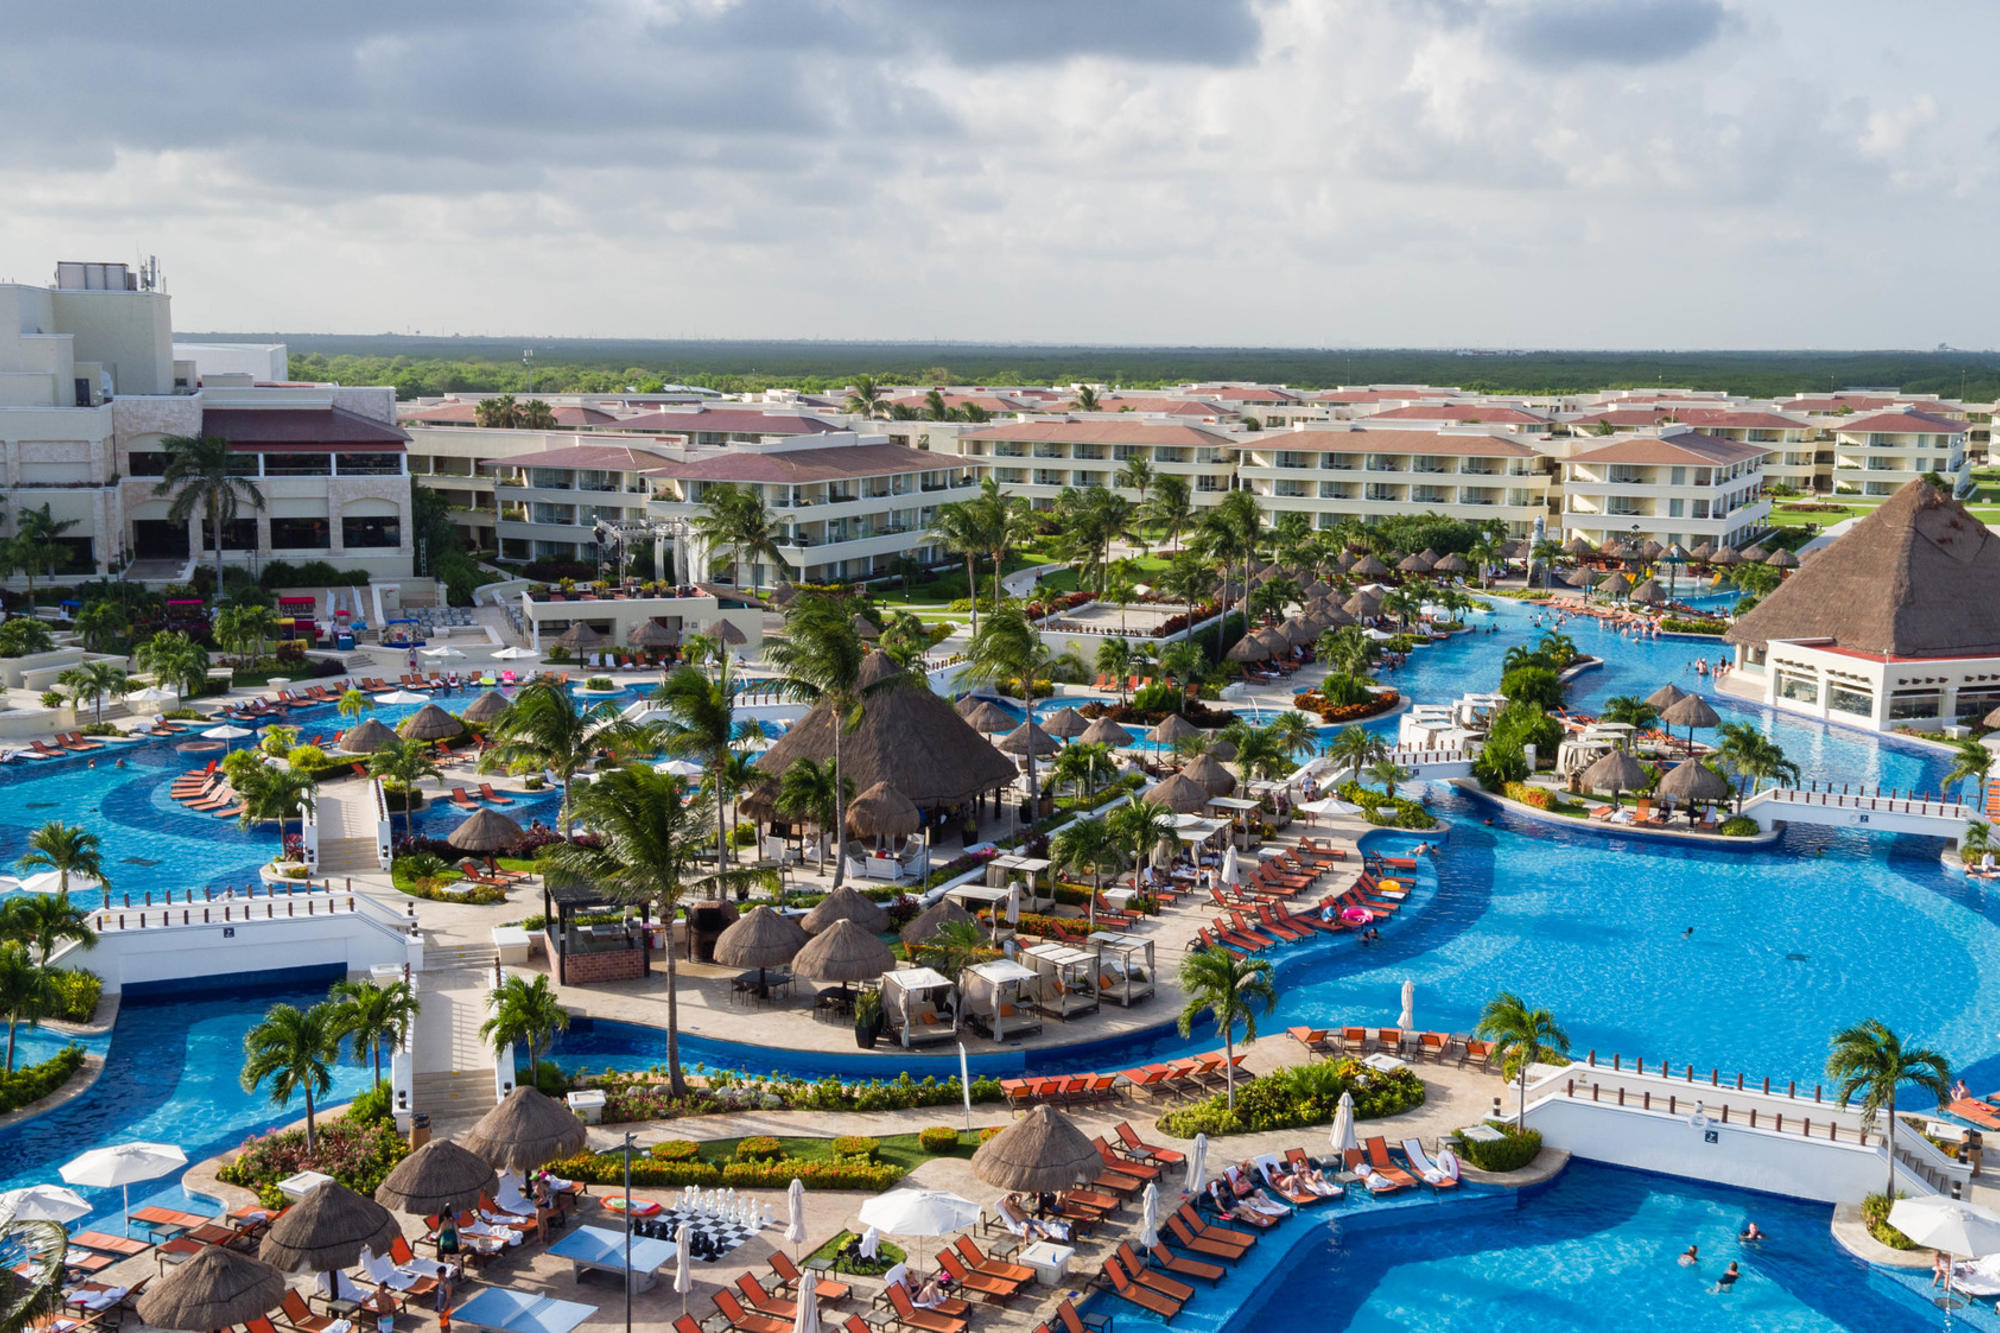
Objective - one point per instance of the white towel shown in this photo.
(899, 1274)
(379, 1269)
(871, 1243)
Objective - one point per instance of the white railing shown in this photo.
(204, 907)
(385, 839)
(309, 835)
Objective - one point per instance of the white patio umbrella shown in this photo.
(683, 1274)
(50, 881)
(443, 650)
(919, 1213)
(795, 1206)
(1197, 1165)
(1149, 1217)
(807, 1319)
(152, 694)
(121, 1164)
(1409, 1018)
(402, 697)
(1962, 1230)
(679, 768)
(1343, 1138)
(226, 732)
(1231, 871)
(43, 1203)
(1331, 805)
(516, 655)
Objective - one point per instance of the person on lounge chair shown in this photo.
(1227, 1207)
(1014, 1213)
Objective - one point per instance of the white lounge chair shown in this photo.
(379, 1269)
(344, 1288)
(1421, 1163)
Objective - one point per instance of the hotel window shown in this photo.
(1797, 688)
(299, 534)
(371, 531)
(1974, 704)
(1843, 699)
(1905, 704)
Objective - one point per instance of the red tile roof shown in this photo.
(592, 457)
(726, 421)
(1100, 432)
(1721, 418)
(1389, 442)
(1486, 414)
(799, 467)
(467, 414)
(1173, 407)
(1248, 393)
(1902, 423)
(1834, 402)
(1391, 395)
(1681, 447)
(335, 429)
(991, 402)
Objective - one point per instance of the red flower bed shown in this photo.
(1337, 713)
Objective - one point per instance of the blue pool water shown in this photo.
(1598, 1245)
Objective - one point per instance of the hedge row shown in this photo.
(34, 1082)
(856, 1173)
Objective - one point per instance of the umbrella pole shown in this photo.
(128, 1212)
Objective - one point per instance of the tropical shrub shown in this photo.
(1538, 798)
(676, 1150)
(1738, 826)
(1298, 1096)
(759, 1148)
(778, 1173)
(371, 1107)
(77, 993)
(1387, 811)
(31, 1083)
(1875, 1212)
(935, 1139)
(357, 1155)
(1514, 1149)
(856, 1145)
(1675, 625)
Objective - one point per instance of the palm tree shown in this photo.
(1004, 522)
(274, 793)
(1086, 846)
(1230, 990)
(1753, 756)
(36, 544)
(95, 680)
(1357, 746)
(176, 660)
(404, 764)
(807, 791)
(734, 516)
(1010, 648)
(1187, 580)
(373, 1016)
(1084, 766)
(27, 991)
(1260, 753)
(1138, 475)
(957, 527)
(353, 703)
(935, 407)
(1086, 400)
(1633, 712)
(700, 724)
(37, 1289)
(647, 840)
(1229, 534)
(1170, 508)
(546, 727)
(1521, 1036)
(1869, 1059)
(866, 398)
(1976, 841)
(526, 1010)
(1293, 733)
(67, 849)
(295, 1049)
(45, 920)
(102, 624)
(1114, 659)
(1545, 553)
(199, 477)
(955, 946)
(1139, 825)
(1972, 763)
(819, 659)
(1389, 774)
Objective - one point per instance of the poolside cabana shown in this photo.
(997, 998)
(365, 738)
(1106, 732)
(1124, 967)
(485, 708)
(430, 723)
(917, 1006)
(1065, 979)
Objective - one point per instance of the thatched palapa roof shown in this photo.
(487, 831)
(844, 952)
(986, 716)
(1692, 780)
(526, 1130)
(1690, 710)
(366, 738)
(846, 903)
(1027, 739)
(883, 812)
(1617, 771)
(1211, 774)
(486, 707)
(217, 1288)
(1181, 794)
(761, 939)
(933, 919)
(439, 1177)
(1106, 732)
(580, 638)
(328, 1229)
(1040, 1151)
(430, 723)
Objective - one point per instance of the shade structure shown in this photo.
(123, 1165)
(430, 723)
(986, 716)
(1650, 550)
(1616, 585)
(934, 918)
(1756, 554)
(1614, 772)
(1369, 567)
(1342, 1135)
(1298, 631)
(1952, 1225)
(442, 652)
(1782, 560)
(1197, 1165)
(906, 736)
(516, 655)
(1690, 710)
(525, 1131)
(1181, 794)
(217, 1288)
(1650, 593)
(1171, 728)
(1702, 552)
(439, 1177)
(1580, 578)
(1725, 556)
(866, 628)
(1414, 564)
(1612, 550)
(761, 938)
(1040, 1151)
(1027, 739)
(43, 1203)
(401, 697)
(1249, 648)
(1221, 748)
(226, 732)
(1066, 723)
(883, 812)
(1666, 696)
(844, 952)
(1218, 780)
(785, 595)
(650, 634)
(366, 738)
(913, 1212)
(487, 832)
(581, 638)
(1408, 1018)
(1149, 1216)
(1362, 606)
(328, 1229)
(846, 903)
(725, 631)
(1692, 781)
(1452, 564)
(1577, 547)
(1106, 732)
(1272, 639)
(1333, 617)
(485, 708)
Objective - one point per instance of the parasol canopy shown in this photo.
(883, 812)
(1106, 732)
(1204, 769)
(1041, 1151)
(844, 952)
(1066, 723)
(1027, 739)
(485, 708)
(762, 938)
(525, 1131)
(846, 903)
(1181, 794)
(1172, 728)
(439, 1177)
(328, 1229)
(986, 716)
(430, 723)
(933, 919)
(581, 638)
(217, 1288)
(487, 832)
(1616, 771)
(651, 635)
(1692, 781)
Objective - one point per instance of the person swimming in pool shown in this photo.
(1727, 1281)
(1690, 1257)
(1751, 1234)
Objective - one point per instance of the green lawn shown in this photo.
(896, 1149)
(1145, 568)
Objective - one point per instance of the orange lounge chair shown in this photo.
(1125, 1167)
(993, 1290)
(739, 1318)
(1146, 1152)
(968, 1250)
(762, 1301)
(461, 800)
(1171, 1288)
(297, 1316)
(909, 1316)
(788, 1279)
(1378, 1157)
(1214, 1248)
(498, 798)
(1166, 1260)
(1145, 1297)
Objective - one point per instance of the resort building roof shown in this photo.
(1484, 413)
(1909, 422)
(1101, 432)
(799, 467)
(279, 429)
(1686, 446)
(1919, 577)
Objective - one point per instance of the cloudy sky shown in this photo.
(1580, 173)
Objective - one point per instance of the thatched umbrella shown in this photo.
(485, 708)
(1345, 561)
(1666, 696)
(1027, 739)
(1782, 559)
(1181, 794)
(650, 635)
(760, 939)
(1249, 648)
(327, 1230)
(1725, 556)
(1650, 550)
(1692, 782)
(1221, 748)
(845, 952)
(785, 595)
(1066, 723)
(1690, 711)
(1273, 640)
(525, 1131)
(1041, 1151)
(1298, 631)
(987, 716)
(581, 638)
(1172, 728)
(1580, 578)
(846, 903)
(487, 832)
(1615, 584)
(1650, 592)
(217, 1288)
(866, 628)
(1414, 564)
(934, 918)
(1369, 567)
(1616, 772)
(439, 1177)
(366, 738)
(1334, 617)
(725, 631)
(1453, 564)
(1362, 606)
(1578, 547)
(1756, 554)
(1106, 732)
(1701, 554)
(1211, 774)
(430, 723)
(883, 812)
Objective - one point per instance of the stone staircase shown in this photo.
(346, 814)
(462, 1093)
